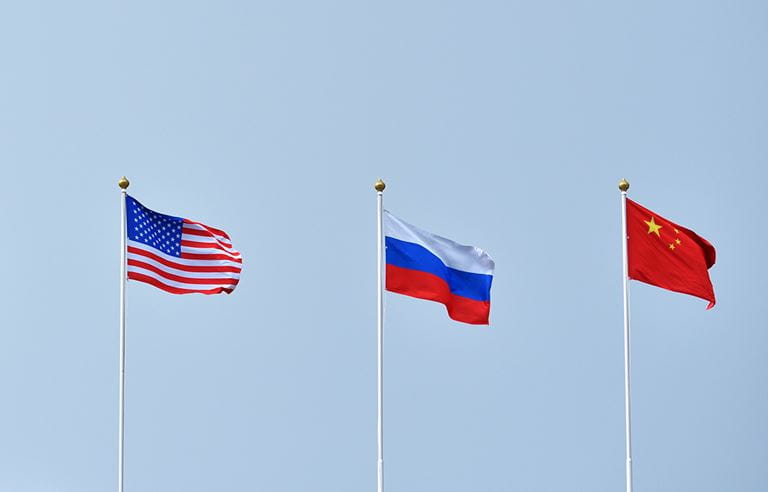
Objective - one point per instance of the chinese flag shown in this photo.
(667, 255)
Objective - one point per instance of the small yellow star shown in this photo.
(676, 231)
(672, 246)
(677, 241)
(653, 227)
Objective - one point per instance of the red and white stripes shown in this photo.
(208, 263)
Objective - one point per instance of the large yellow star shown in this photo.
(653, 227)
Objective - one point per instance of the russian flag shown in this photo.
(423, 265)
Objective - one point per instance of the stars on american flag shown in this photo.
(162, 232)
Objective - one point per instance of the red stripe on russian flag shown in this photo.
(427, 286)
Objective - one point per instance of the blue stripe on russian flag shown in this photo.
(413, 256)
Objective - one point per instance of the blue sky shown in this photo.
(505, 125)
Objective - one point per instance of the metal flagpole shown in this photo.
(123, 184)
(379, 187)
(624, 186)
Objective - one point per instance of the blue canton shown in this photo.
(160, 231)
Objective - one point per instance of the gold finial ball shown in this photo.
(123, 183)
(623, 185)
(379, 186)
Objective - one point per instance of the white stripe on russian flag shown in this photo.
(454, 255)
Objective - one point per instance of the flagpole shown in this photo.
(379, 187)
(123, 184)
(624, 186)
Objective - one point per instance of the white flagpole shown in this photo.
(624, 186)
(123, 184)
(379, 187)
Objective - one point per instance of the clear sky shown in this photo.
(504, 125)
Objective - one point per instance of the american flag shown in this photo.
(179, 255)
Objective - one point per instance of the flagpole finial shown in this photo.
(379, 185)
(123, 183)
(624, 185)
